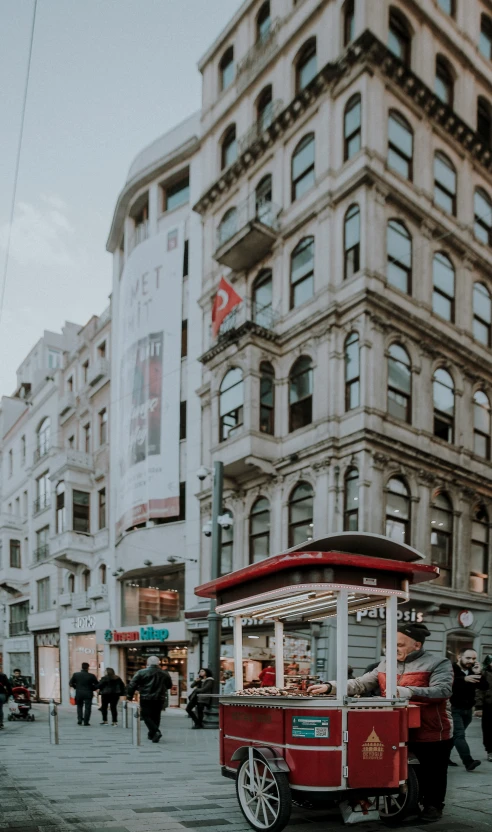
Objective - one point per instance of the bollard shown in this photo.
(124, 714)
(53, 723)
(136, 725)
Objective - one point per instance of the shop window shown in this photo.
(264, 109)
(227, 68)
(231, 403)
(351, 242)
(482, 314)
(303, 171)
(229, 147)
(398, 511)
(301, 393)
(71, 583)
(81, 512)
(176, 195)
(43, 595)
(15, 554)
(263, 299)
(153, 596)
(483, 217)
(86, 580)
(485, 40)
(43, 438)
(352, 371)
(102, 520)
(443, 395)
(443, 82)
(399, 37)
(399, 253)
(103, 574)
(267, 398)
(263, 23)
(302, 272)
(348, 22)
(60, 508)
(400, 145)
(184, 338)
(444, 183)
(481, 424)
(399, 384)
(259, 530)
(442, 537)
(18, 619)
(479, 555)
(443, 288)
(484, 120)
(351, 501)
(182, 420)
(301, 507)
(307, 65)
(352, 128)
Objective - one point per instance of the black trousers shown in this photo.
(109, 700)
(84, 707)
(461, 720)
(151, 710)
(197, 712)
(487, 728)
(432, 770)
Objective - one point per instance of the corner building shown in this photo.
(349, 202)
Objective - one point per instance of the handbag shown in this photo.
(72, 696)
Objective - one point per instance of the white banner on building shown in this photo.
(149, 356)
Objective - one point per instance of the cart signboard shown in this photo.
(311, 727)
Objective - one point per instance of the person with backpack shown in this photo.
(151, 682)
(111, 687)
(5, 692)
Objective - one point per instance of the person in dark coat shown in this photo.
(17, 680)
(5, 692)
(193, 697)
(202, 701)
(151, 682)
(111, 687)
(483, 704)
(84, 684)
(467, 680)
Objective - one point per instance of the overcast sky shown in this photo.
(107, 77)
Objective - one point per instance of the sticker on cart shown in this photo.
(311, 727)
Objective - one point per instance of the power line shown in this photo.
(17, 163)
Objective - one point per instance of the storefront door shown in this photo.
(83, 648)
(48, 666)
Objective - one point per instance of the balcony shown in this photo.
(41, 553)
(97, 592)
(14, 522)
(41, 453)
(81, 601)
(246, 320)
(44, 620)
(65, 599)
(18, 628)
(259, 129)
(258, 56)
(41, 503)
(67, 403)
(71, 549)
(70, 459)
(247, 452)
(97, 372)
(248, 234)
(140, 234)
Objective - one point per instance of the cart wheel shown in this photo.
(263, 795)
(394, 808)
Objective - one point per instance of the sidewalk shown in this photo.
(95, 780)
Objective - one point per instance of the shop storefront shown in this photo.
(82, 640)
(47, 660)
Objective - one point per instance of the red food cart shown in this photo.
(282, 746)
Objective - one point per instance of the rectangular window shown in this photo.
(24, 503)
(23, 450)
(71, 441)
(17, 506)
(103, 426)
(42, 547)
(87, 438)
(182, 420)
(43, 593)
(176, 195)
(85, 371)
(11, 462)
(42, 493)
(54, 359)
(15, 554)
(156, 598)
(186, 258)
(70, 384)
(19, 614)
(101, 350)
(81, 512)
(182, 501)
(102, 509)
(184, 339)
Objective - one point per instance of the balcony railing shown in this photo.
(244, 318)
(260, 126)
(41, 553)
(253, 209)
(97, 371)
(41, 452)
(41, 503)
(18, 628)
(140, 234)
(258, 56)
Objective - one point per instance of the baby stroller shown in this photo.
(21, 706)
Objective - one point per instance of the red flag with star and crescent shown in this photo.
(224, 302)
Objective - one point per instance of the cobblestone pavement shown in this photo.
(95, 780)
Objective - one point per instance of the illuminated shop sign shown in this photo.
(141, 634)
(402, 615)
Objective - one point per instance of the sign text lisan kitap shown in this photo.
(142, 634)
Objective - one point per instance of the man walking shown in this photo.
(467, 678)
(85, 684)
(152, 683)
(428, 679)
(5, 692)
(483, 705)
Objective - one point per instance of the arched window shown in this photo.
(448, 6)
(444, 183)
(264, 109)
(399, 37)
(60, 508)
(307, 65)
(227, 68)
(302, 272)
(399, 251)
(267, 398)
(231, 401)
(481, 424)
(263, 298)
(485, 41)
(303, 173)
(443, 82)
(398, 511)
(479, 555)
(259, 530)
(351, 501)
(227, 227)
(301, 394)
(352, 371)
(263, 196)
(227, 546)
(484, 120)
(71, 583)
(351, 242)
(229, 147)
(482, 314)
(399, 384)
(442, 537)
(443, 291)
(352, 127)
(348, 22)
(483, 217)
(301, 508)
(103, 572)
(400, 145)
(43, 439)
(86, 579)
(263, 23)
(443, 395)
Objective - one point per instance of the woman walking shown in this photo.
(111, 688)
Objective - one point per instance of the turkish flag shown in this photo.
(224, 302)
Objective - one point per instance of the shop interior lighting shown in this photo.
(304, 607)
(352, 609)
(247, 611)
(253, 636)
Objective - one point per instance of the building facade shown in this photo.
(348, 203)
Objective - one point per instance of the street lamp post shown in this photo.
(214, 619)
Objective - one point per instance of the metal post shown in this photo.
(279, 654)
(124, 714)
(136, 725)
(238, 652)
(53, 723)
(342, 643)
(391, 624)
